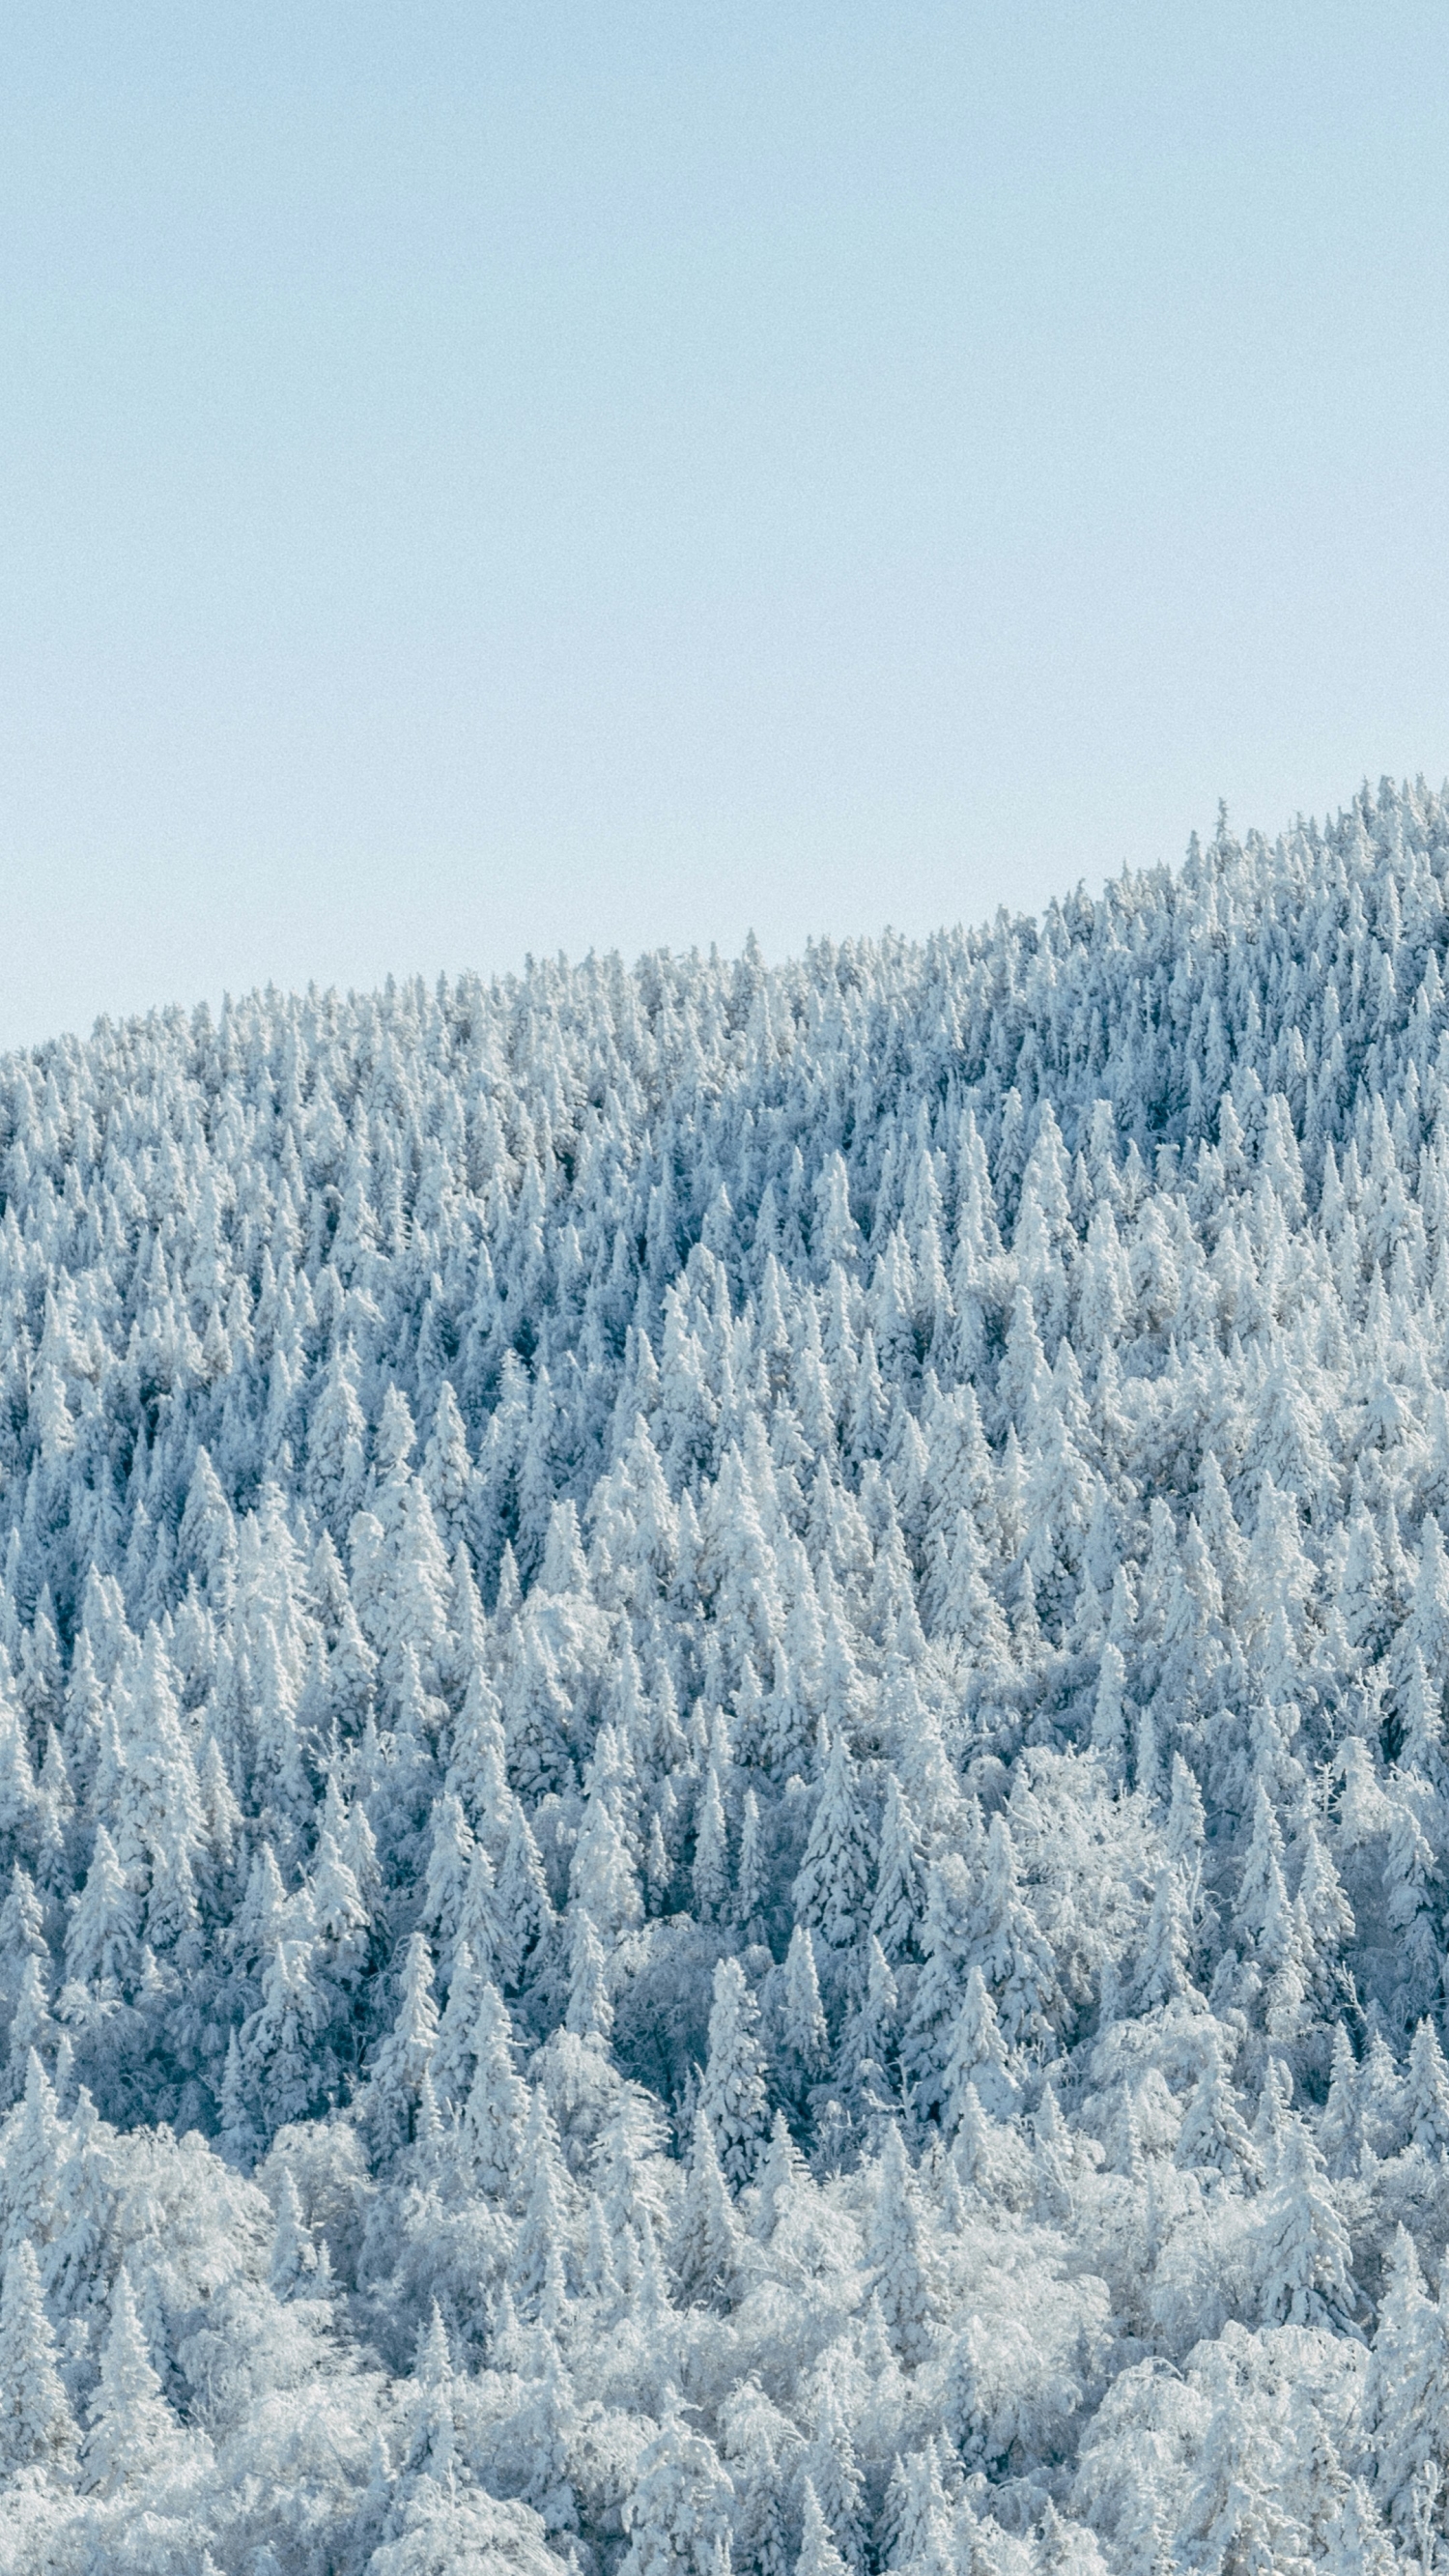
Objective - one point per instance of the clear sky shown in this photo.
(491, 478)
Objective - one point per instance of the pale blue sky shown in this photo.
(484, 479)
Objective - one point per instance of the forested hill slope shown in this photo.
(723, 1798)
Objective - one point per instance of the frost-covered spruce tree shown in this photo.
(834, 2473)
(404, 2057)
(1304, 2247)
(1407, 2368)
(831, 1888)
(818, 2553)
(495, 2108)
(802, 2017)
(37, 2429)
(525, 1910)
(132, 2430)
(707, 2250)
(899, 1898)
(895, 2249)
(590, 2014)
(733, 2094)
(976, 2058)
(1428, 2092)
(710, 1871)
(1007, 1947)
(677, 2514)
(540, 2248)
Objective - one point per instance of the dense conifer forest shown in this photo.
(724, 1804)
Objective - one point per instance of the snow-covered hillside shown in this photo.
(722, 1770)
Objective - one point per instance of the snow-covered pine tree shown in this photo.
(37, 2429)
(733, 2092)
